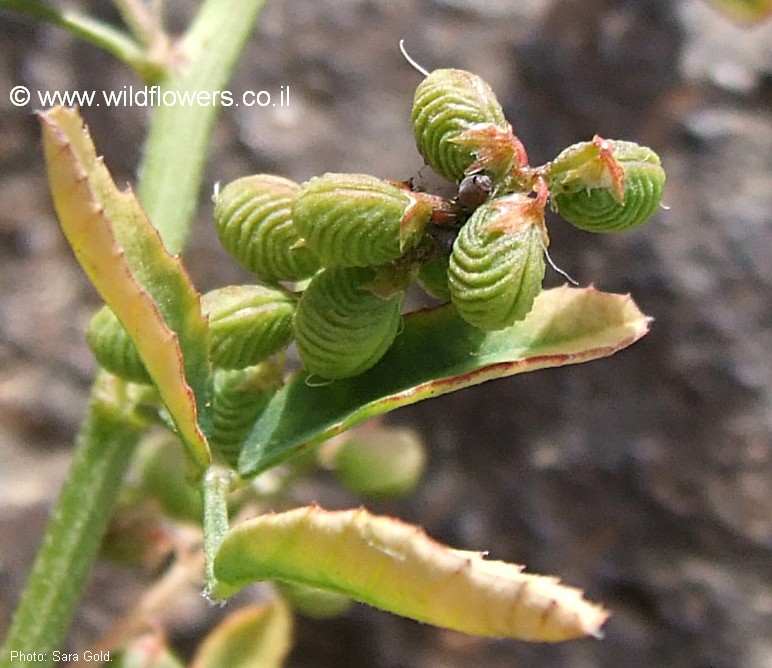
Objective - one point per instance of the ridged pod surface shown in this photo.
(247, 323)
(598, 210)
(239, 397)
(448, 103)
(341, 328)
(114, 349)
(495, 275)
(254, 223)
(357, 220)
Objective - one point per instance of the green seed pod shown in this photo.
(239, 397)
(247, 323)
(341, 328)
(312, 601)
(254, 224)
(377, 461)
(114, 349)
(497, 264)
(459, 126)
(606, 186)
(356, 220)
(162, 476)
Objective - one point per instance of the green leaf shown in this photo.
(147, 288)
(253, 637)
(437, 353)
(396, 567)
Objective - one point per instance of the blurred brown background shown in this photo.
(645, 478)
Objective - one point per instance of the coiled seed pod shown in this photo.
(114, 349)
(459, 126)
(253, 221)
(356, 220)
(341, 328)
(497, 264)
(618, 189)
(239, 396)
(247, 323)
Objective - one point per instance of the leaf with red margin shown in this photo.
(123, 255)
(394, 566)
(437, 352)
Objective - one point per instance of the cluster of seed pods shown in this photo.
(355, 242)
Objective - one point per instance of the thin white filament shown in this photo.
(312, 380)
(410, 60)
(563, 273)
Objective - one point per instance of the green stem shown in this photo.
(105, 36)
(176, 147)
(104, 448)
(140, 20)
(217, 483)
(169, 183)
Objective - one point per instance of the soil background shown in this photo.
(645, 478)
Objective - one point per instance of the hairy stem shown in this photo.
(169, 183)
(175, 153)
(217, 482)
(106, 443)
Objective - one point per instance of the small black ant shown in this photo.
(473, 191)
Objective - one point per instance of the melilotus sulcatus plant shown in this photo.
(209, 376)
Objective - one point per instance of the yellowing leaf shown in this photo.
(254, 637)
(124, 257)
(397, 567)
(747, 11)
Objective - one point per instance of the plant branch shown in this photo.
(169, 183)
(175, 152)
(106, 443)
(142, 22)
(101, 34)
(216, 484)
